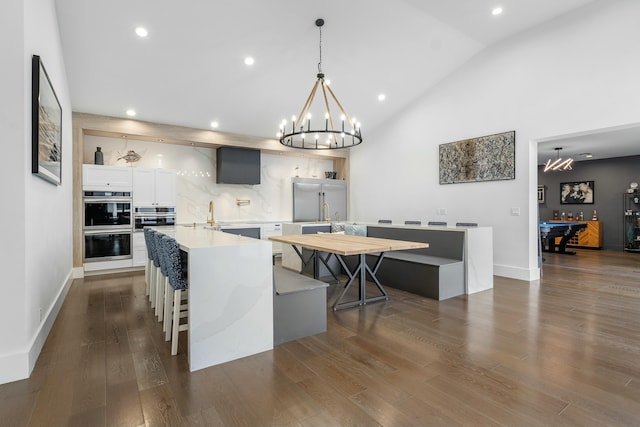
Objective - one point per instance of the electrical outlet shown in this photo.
(441, 211)
(515, 211)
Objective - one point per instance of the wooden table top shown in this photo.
(344, 244)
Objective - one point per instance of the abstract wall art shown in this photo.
(486, 158)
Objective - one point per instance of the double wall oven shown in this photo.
(108, 226)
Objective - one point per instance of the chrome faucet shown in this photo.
(211, 220)
(327, 213)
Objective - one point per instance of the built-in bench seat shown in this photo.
(299, 305)
(435, 272)
(420, 258)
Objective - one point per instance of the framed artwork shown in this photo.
(46, 126)
(540, 194)
(486, 158)
(577, 193)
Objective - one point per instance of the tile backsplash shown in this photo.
(271, 200)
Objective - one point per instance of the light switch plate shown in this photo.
(515, 211)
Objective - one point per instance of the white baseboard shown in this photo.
(527, 274)
(78, 272)
(18, 366)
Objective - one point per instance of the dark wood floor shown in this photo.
(562, 351)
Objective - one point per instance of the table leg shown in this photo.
(361, 272)
(562, 249)
(315, 257)
(325, 262)
(306, 262)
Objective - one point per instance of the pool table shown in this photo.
(566, 230)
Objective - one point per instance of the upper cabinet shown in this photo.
(104, 178)
(154, 187)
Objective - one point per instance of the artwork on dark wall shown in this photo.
(541, 194)
(46, 126)
(577, 193)
(486, 158)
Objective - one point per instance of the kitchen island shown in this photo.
(230, 295)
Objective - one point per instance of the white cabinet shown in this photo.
(100, 178)
(268, 230)
(139, 250)
(154, 187)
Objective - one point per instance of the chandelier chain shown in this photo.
(320, 63)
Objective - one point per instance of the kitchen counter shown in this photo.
(230, 295)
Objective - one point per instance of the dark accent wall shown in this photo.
(611, 179)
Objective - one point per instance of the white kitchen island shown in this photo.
(230, 295)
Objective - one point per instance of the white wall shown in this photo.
(271, 200)
(576, 73)
(36, 250)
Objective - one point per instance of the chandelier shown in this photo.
(558, 164)
(302, 133)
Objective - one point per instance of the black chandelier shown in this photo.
(301, 134)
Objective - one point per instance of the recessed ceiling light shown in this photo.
(142, 32)
(382, 97)
(496, 11)
(215, 124)
(249, 60)
(131, 113)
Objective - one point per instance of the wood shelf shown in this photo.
(590, 237)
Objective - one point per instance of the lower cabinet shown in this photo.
(243, 231)
(590, 237)
(139, 251)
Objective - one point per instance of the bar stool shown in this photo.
(161, 278)
(149, 265)
(155, 268)
(178, 281)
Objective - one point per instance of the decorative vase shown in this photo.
(98, 157)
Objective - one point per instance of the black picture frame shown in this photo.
(541, 194)
(46, 126)
(577, 193)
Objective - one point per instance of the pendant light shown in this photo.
(558, 164)
(308, 132)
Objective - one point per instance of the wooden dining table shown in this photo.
(341, 245)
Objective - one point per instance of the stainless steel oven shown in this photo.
(153, 217)
(107, 245)
(108, 226)
(107, 209)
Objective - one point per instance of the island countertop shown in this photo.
(189, 237)
(230, 295)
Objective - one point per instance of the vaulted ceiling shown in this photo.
(190, 69)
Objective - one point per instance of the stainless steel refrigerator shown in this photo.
(319, 199)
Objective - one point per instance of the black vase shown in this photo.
(98, 157)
